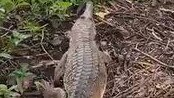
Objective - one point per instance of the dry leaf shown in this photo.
(102, 14)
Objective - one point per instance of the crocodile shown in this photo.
(83, 65)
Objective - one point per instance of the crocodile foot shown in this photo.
(49, 91)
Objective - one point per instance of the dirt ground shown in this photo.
(139, 37)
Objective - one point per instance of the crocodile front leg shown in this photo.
(60, 68)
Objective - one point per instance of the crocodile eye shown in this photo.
(90, 19)
(82, 17)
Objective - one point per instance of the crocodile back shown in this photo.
(85, 75)
(83, 78)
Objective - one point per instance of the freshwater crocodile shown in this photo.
(83, 65)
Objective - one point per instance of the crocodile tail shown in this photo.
(88, 13)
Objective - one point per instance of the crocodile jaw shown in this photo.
(88, 11)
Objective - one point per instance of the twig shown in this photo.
(110, 24)
(167, 46)
(133, 16)
(46, 63)
(153, 20)
(169, 93)
(41, 43)
(115, 8)
(35, 93)
(29, 56)
(128, 91)
(166, 10)
(153, 33)
(6, 29)
(156, 60)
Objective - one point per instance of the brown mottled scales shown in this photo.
(83, 65)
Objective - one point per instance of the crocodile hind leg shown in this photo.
(60, 68)
(100, 84)
(101, 81)
(49, 91)
(104, 57)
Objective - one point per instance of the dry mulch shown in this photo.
(140, 40)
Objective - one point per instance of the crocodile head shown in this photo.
(88, 13)
(84, 27)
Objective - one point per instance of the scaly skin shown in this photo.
(83, 65)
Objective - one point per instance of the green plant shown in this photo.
(6, 92)
(5, 55)
(10, 5)
(28, 24)
(2, 14)
(20, 75)
(32, 26)
(9, 43)
(17, 37)
(60, 9)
